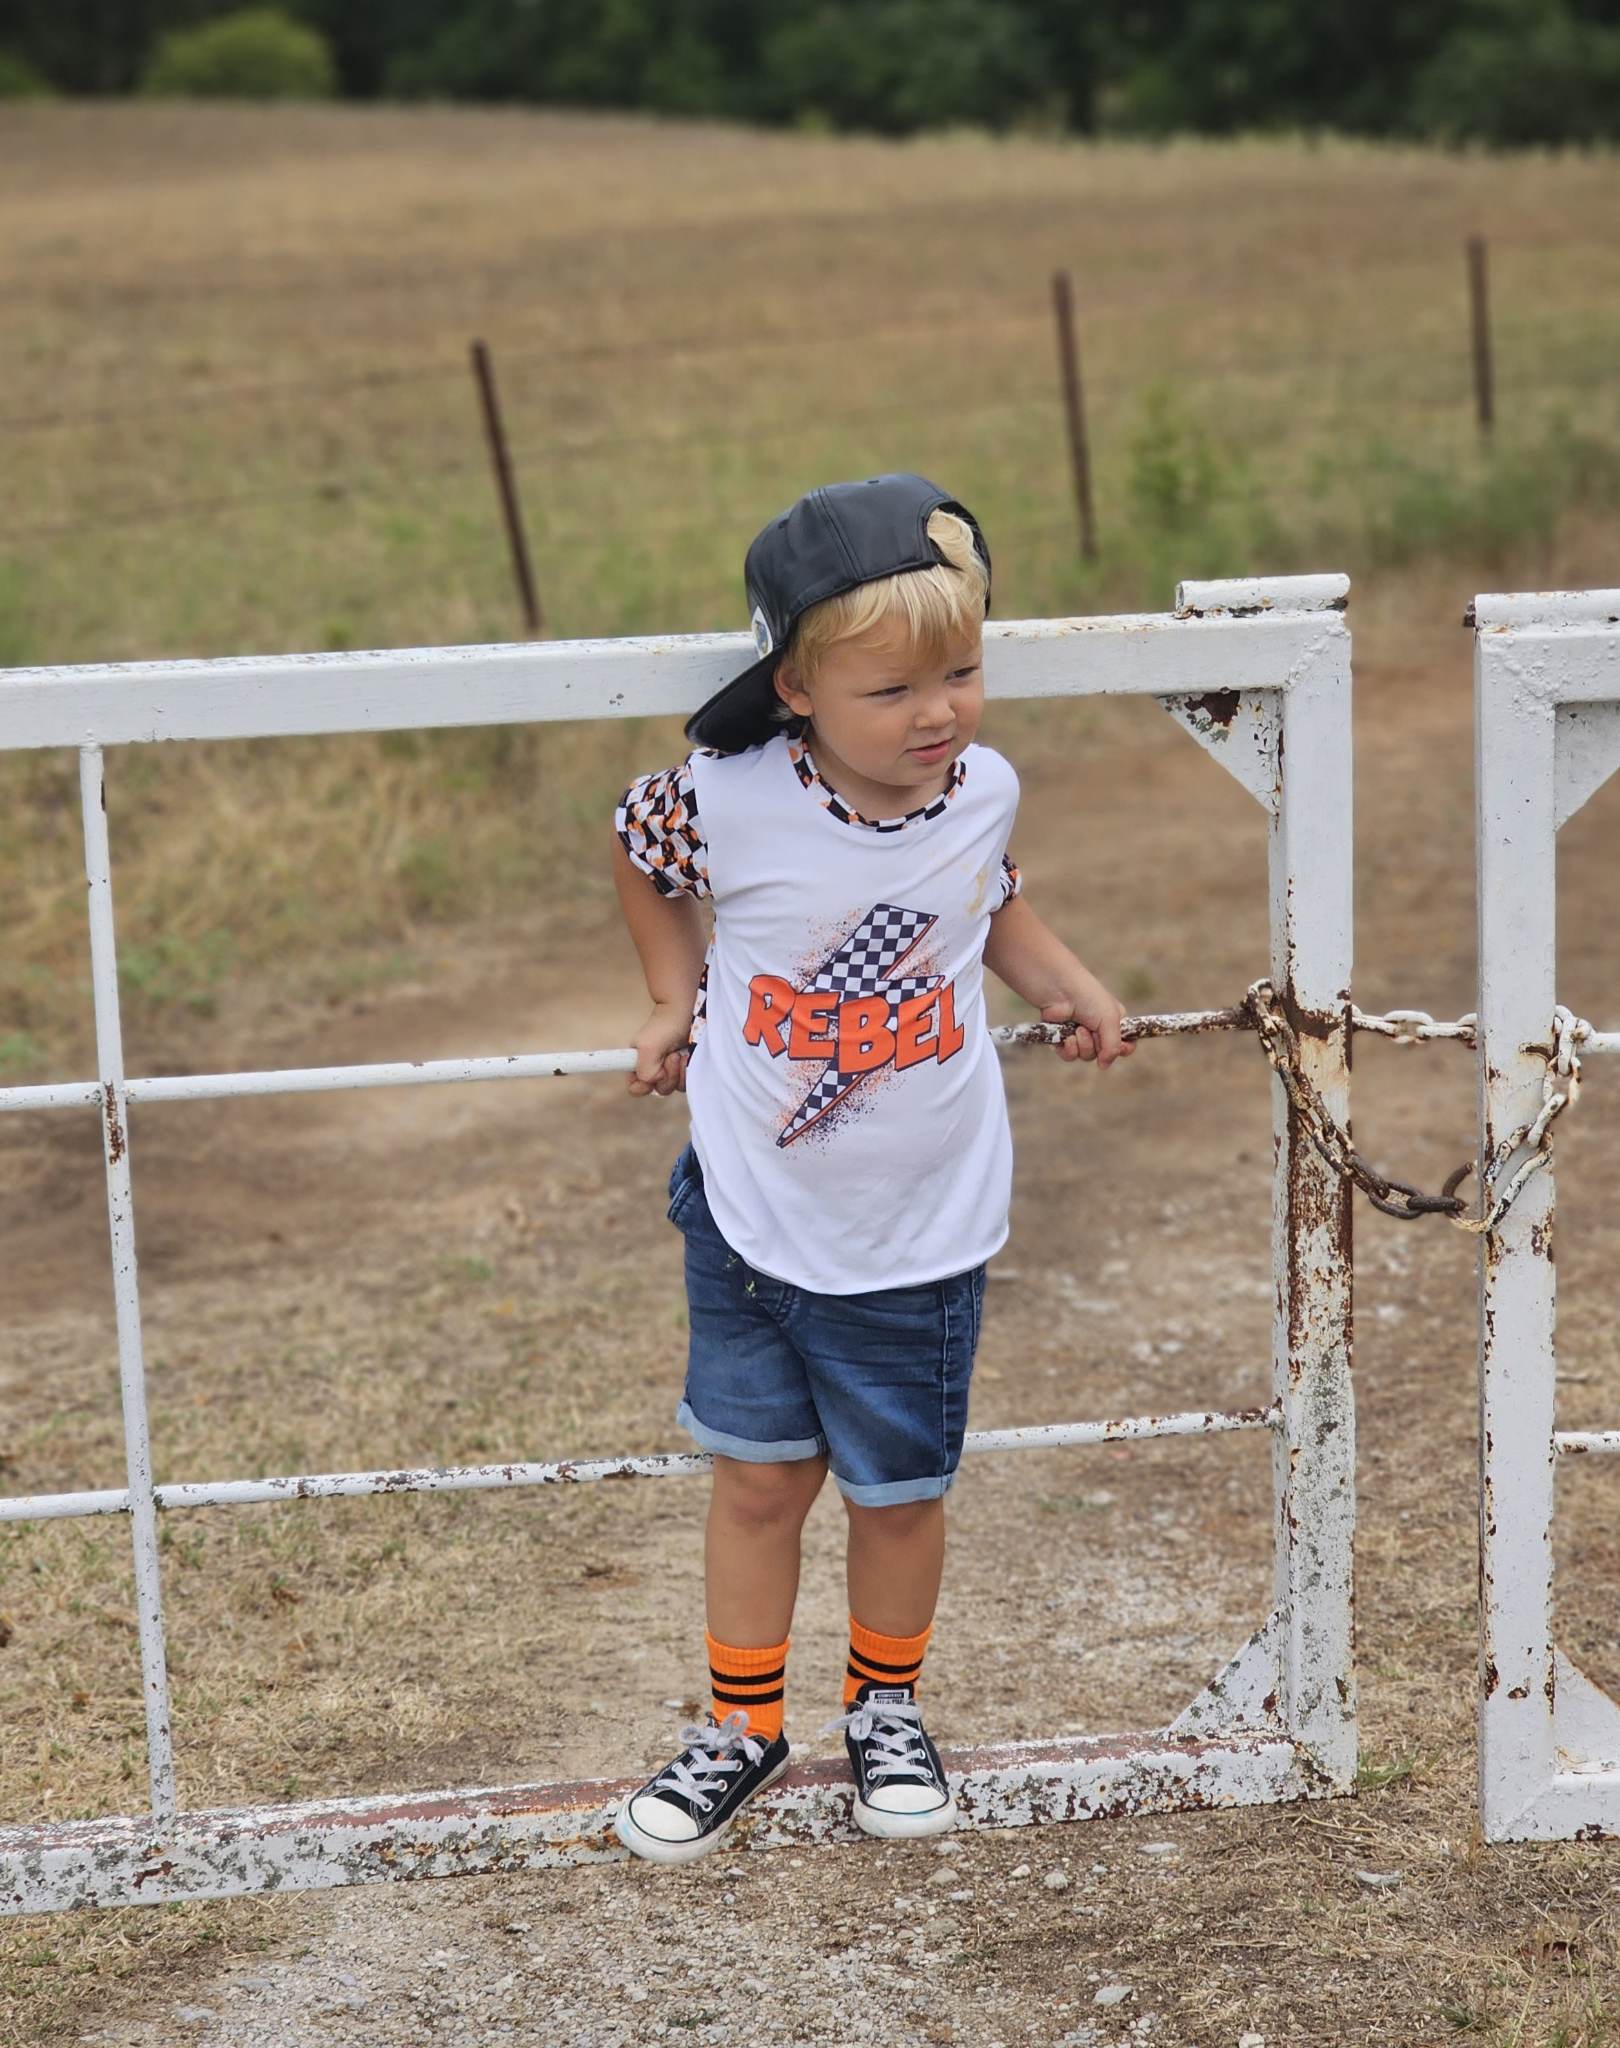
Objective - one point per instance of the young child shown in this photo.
(850, 1163)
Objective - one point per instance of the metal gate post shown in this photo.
(1292, 750)
(1313, 1449)
(1547, 736)
(126, 1292)
(1515, 780)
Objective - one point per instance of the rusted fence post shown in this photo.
(1547, 725)
(1075, 407)
(506, 484)
(1301, 1666)
(1480, 313)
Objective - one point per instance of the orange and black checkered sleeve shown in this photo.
(658, 825)
(1012, 882)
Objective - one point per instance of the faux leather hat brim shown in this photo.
(743, 714)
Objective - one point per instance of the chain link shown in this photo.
(1262, 1012)
(1413, 1027)
(1398, 1198)
(1563, 1064)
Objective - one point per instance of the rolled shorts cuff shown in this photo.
(893, 1492)
(784, 1452)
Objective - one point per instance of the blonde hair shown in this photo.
(941, 606)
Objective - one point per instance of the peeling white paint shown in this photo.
(1547, 731)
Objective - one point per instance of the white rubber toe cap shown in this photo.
(899, 1822)
(661, 1820)
(906, 1799)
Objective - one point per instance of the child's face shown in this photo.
(884, 716)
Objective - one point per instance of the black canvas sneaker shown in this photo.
(900, 1784)
(683, 1811)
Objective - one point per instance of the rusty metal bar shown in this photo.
(538, 1827)
(1479, 310)
(235, 1493)
(529, 1066)
(1401, 1026)
(1575, 1442)
(506, 485)
(1173, 1024)
(1313, 1451)
(1074, 409)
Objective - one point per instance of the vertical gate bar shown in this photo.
(126, 1292)
(1516, 797)
(1310, 858)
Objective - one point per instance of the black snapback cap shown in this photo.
(832, 540)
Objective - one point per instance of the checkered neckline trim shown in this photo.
(824, 793)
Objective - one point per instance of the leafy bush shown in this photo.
(1522, 71)
(564, 52)
(257, 54)
(894, 66)
(902, 65)
(1196, 509)
(18, 79)
(1489, 508)
(176, 970)
(20, 1053)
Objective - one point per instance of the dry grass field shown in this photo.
(237, 416)
(263, 319)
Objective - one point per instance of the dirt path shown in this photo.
(485, 1271)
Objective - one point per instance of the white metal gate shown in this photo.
(1259, 675)
(1547, 729)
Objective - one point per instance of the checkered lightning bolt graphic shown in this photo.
(863, 965)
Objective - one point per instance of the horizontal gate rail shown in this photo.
(1573, 1441)
(1256, 673)
(517, 1066)
(435, 688)
(236, 1493)
(541, 1827)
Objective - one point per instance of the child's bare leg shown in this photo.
(751, 1548)
(896, 1556)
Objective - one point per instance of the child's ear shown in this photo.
(791, 689)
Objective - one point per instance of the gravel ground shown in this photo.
(736, 1950)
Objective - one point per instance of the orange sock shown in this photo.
(751, 1679)
(882, 1660)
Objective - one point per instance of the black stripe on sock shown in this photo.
(749, 1699)
(747, 1677)
(872, 1663)
(866, 1678)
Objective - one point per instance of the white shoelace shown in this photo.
(709, 1749)
(895, 1735)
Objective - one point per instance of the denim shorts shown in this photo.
(879, 1381)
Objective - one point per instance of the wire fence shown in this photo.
(1285, 404)
(1533, 340)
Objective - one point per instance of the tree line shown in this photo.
(1495, 71)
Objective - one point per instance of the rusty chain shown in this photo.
(1397, 1198)
(1262, 1012)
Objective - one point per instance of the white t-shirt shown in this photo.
(846, 1099)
